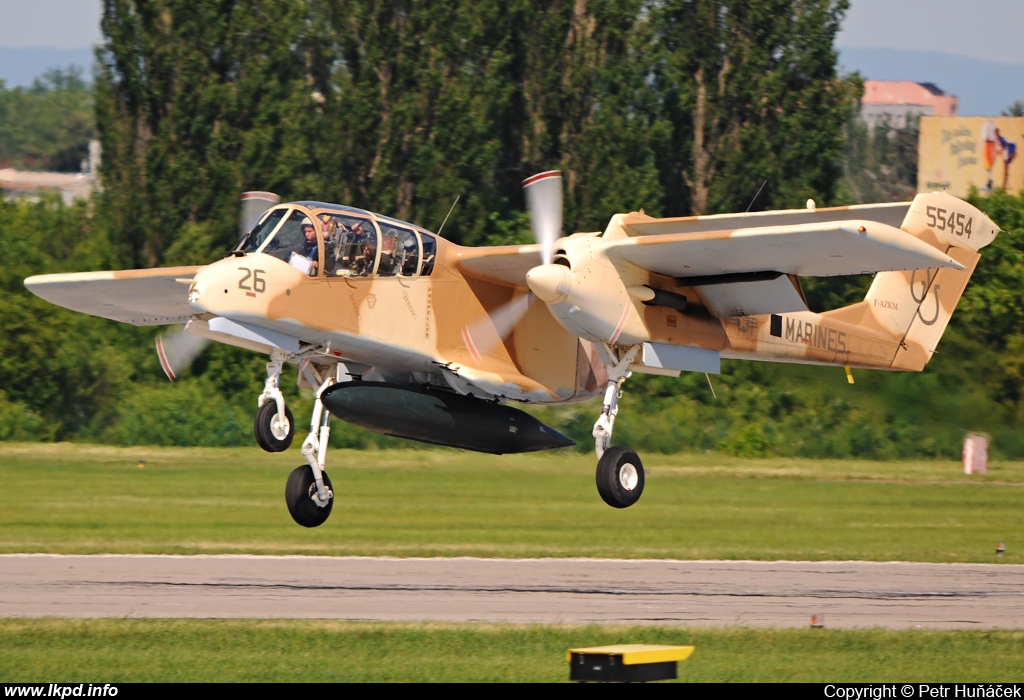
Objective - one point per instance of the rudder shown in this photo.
(916, 305)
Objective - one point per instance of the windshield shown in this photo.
(261, 231)
(290, 238)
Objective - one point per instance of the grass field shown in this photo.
(89, 499)
(310, 650)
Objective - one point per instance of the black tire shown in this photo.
(263, 426)
(298, 494)
(620, 477)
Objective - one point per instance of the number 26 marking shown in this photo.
(259, 284)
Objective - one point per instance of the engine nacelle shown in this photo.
(589, 295)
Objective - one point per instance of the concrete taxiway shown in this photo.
(702, 593)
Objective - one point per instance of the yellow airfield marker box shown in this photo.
(626, 663)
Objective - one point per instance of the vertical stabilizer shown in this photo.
(915, 306)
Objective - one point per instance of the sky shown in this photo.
(57, 24)
(985, 29)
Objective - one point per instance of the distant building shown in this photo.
(28, 184)
(894, 101)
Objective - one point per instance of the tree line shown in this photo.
(47, 126)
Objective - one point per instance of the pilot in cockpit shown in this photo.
(310, 249)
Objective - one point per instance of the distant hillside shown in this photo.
(985, 88)
(19, 67)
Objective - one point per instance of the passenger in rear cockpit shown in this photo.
(365, 250)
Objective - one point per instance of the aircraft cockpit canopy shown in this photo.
(354, 243)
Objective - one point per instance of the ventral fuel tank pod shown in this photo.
(440, 418)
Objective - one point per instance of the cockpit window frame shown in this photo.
(315, 210)
(266, 215)
(346, 218)
(290, 210)
(396, 263)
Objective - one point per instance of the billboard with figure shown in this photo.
(955, 153)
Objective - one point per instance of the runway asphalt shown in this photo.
(697, 593)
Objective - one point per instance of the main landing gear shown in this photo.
(620, 474)
(308, 493)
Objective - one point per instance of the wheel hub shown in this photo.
(628, 477)
(279, 427)
(315, 497)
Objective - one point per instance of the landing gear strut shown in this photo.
(308, 494)
(274, 425)
(620, 474)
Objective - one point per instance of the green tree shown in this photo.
(197, 102)
(880, 163)
(48, 125)
(1014, 110)
(752, 93)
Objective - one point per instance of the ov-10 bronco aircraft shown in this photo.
(402, 332)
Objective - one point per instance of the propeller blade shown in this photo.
(177, 350)
(543, 194)
(253, 206)
(544, 199)
(485, 335)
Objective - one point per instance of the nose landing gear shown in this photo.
(274, 425)
(274, 433)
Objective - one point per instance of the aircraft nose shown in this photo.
(551, 283)
(199, 293)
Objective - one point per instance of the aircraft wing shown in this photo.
(152, 297)
(746, 264)
(508, 263)
(891, 214)
(750, 271)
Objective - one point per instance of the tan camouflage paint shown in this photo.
(403, 325)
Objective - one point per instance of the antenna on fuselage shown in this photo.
(756, 195)
(449, 214)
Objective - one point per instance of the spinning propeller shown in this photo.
(178, 349)
(544, 201)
